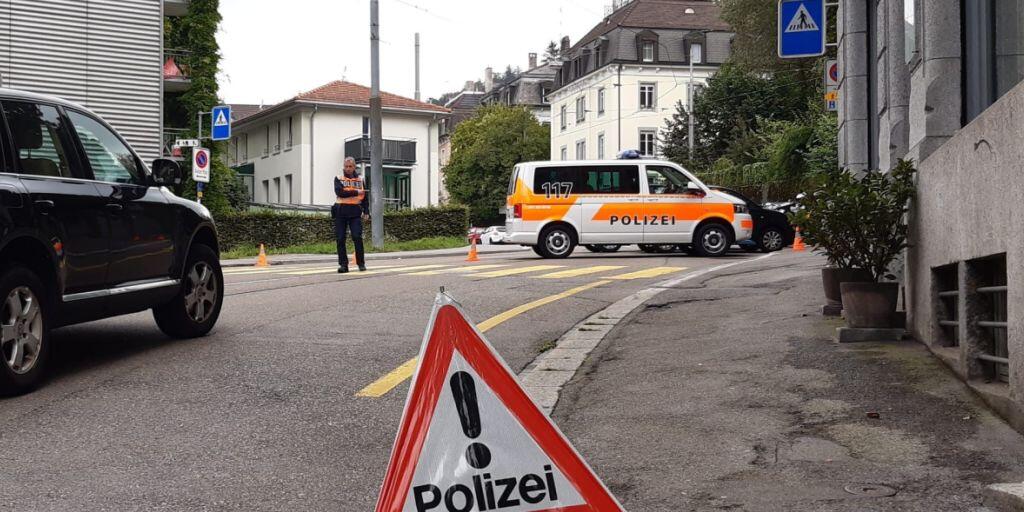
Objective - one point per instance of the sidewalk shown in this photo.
(726, 393)
(293, 259)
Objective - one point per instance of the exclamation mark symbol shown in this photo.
(464, 392)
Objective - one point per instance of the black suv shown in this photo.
(772, 231)
(88, 232)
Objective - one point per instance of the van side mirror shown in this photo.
(166, 173)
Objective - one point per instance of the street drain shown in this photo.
(870, 490)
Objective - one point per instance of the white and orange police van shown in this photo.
(554, 206)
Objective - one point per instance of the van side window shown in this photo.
(39, 135)
(665, 180)
(589, 179)
(612, 180)
(512, 181)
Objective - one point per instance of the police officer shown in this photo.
(349, 211)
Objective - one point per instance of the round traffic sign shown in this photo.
(833, 72)
(202, 159)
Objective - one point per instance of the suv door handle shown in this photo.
(44, 205)
(115, 207)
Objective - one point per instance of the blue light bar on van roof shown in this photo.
(629, 154)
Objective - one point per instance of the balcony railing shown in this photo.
(177, 72)
(396, 152)
(168, 137)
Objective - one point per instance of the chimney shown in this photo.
(565, 46)
(470, 86)
(488, 79)
(533, 61)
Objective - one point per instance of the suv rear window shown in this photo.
(589, 179)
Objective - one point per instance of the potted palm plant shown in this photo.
(861, 225)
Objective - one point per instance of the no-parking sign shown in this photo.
(201, 165)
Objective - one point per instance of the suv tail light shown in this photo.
(517, 210)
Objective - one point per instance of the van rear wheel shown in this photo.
(556, 242)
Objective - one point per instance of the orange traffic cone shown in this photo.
(261, 260)
(472, 252)
(798, 242)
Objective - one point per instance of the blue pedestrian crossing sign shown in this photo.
(801, 28)
(221, 123)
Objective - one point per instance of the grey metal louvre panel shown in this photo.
(104, 54)
(125, 69)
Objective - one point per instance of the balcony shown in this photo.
(396, 152)
(175, 7)
(168, 137)
(177, 74)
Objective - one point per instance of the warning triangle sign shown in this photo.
(802, 21)
(471, 439)
(222, 120)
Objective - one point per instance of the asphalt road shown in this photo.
(264, 414)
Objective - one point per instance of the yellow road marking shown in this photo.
(575, 272)
(457, 270)
(649, 272)
(329, 270)
(389, 381)
(517, 271)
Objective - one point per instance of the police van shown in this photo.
(554, 206)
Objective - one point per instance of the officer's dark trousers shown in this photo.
(354, 224)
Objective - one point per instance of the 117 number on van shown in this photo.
(557, 189)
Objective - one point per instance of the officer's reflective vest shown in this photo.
(353, 184)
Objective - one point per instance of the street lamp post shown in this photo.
(376, 132)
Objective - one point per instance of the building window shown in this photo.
(245, 146)
(648, 51)
(909, 29)
(544, 91)
(277, 191)
(266, 146)
(992, 65)
(266, 191)
(581, 150)
(564, 114)
(647, 97)
(234, 150)
(277, 147)
(600, 146)
(987, 327)
(366, 126)
(581, 109)
(565, 153)
(946, 283)
(597, 56)
(697, 90)
(648, 142)
(291, 134)
(286, 193)
(696, 53)
(600, 101)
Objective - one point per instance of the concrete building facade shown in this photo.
(107, 55)
(939, 82)
(621, 82)
(289, 153)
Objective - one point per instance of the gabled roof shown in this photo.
(241, 111)
(465, 100)
(347, 94)
(655, 14)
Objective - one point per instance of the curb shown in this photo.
(331, 258)
(1004, 497)
(546, 376)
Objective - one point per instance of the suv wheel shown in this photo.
(24, 331)
(771, 240)
(712, 240)
(194, 310)
(556, 242)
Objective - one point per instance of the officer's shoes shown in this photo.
(362, 268)
(343, 270)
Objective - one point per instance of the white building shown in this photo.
(289, 153)
(620, 83)
(107, 55)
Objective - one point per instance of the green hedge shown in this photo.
(280, 229)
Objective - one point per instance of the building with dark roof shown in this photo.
(616, 86)
(289, 153)
(528, 88)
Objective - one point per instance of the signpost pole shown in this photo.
(376, 132)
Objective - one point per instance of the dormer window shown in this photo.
(693, 47)
(696, 53)
(648, 51)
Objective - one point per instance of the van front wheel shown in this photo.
(712, 239)
(556, 242)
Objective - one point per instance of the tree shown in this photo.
(195, 34)
(728, 112)
(552, 53)
(485, 148)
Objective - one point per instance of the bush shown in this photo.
(281, 229)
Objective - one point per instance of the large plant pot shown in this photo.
(832, 277)
(870, 305)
